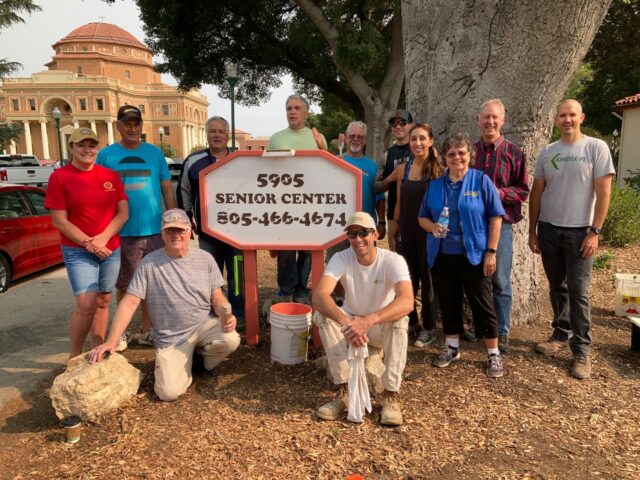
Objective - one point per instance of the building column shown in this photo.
(27, 136)
(45, 139)
(93, 126)
(64, 146)
(185, 149)
(12, 147)
(110, 132)
(76, 124)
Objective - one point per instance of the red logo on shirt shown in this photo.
(108, 187)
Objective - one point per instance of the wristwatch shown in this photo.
(491, 250)
(596, 230)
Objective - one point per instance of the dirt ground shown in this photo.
(256, 419)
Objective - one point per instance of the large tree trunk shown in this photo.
(459, 54)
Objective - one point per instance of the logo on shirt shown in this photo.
(108, 187)
(556, 160)
(377, 281)
(471, 194)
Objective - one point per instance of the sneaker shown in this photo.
(391, 415)
(446, 357)
(503, 343)
(147, 338)
(494, 366)
(334, 409)
(124, 342)
(281, 297)
(302, 298)
(550, 346)
(581, 366)
(469, 336)
(426, 337)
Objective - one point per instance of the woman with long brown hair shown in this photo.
(413, 180)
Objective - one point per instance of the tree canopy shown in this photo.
(11, 12)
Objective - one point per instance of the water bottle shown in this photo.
(444, 221)
(226, 313)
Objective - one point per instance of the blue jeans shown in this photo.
(501, 279)
(569, 276)
(88, 273)
(293, 273)
(223, 254)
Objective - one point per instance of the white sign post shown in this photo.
(285, 202)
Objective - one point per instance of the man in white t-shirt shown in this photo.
(378, 298)
(568, 205)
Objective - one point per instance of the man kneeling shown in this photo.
(378, 298)
(188, 310)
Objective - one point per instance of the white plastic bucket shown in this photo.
(290, 326)
(627, 294)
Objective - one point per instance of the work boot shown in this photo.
(391, 411)
(503, 343)
(581, 366)
(550, 346)
(334, 409)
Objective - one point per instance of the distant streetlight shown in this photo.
(232, 79)
(161, 133)
(57, 114)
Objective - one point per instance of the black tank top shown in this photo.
(411, 194)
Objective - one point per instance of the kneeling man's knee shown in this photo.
(169, 393)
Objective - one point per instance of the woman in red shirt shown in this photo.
(89, 206)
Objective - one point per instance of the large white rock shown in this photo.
(89, 390)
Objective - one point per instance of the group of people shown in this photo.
(482, 186)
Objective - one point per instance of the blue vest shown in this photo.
(479, 201)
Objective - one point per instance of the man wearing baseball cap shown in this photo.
(188, 311)
(400, 123)
(378, 298)
(147, 183)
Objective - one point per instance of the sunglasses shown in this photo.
(398, 123)
(351, 234)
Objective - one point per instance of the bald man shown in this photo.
(568, 205)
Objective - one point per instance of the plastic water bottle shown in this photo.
(444, 221)
(226, 313)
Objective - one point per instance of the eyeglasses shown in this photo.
(356, 137)
(351, 234)
(398, 123)
(176, 231)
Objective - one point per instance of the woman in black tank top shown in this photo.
(423, 166)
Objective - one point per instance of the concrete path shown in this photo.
(34, 337)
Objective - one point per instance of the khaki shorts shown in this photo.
(132, 251)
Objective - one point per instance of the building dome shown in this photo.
(103, 33)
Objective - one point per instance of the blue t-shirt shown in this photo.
(369, 171)
(141, 171)
(453, 244)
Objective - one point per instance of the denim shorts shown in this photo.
(87, 273)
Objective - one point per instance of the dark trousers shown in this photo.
(569, 276)
(414, 252)
(453, 276)
(293, 273)
(223, 254)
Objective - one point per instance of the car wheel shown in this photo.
(5, 273)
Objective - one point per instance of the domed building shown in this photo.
(95, 69)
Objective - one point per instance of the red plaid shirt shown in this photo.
(504, 163)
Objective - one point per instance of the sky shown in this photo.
(30, 44)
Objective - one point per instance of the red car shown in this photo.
(28, 240)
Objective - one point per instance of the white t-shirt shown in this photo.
(367, 289)
(568, 170)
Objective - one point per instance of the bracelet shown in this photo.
(491, 250)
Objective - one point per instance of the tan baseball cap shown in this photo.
(84, 133)
(361, 219)
(175, 218)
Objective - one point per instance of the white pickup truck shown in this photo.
(24, 170)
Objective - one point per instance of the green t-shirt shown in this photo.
(296, 139)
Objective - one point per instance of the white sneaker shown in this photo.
(124, 342)
(146, 338)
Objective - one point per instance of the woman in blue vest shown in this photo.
(462, 257)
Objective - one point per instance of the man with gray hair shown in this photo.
(372, 203)
(504, 163)
(293, 272)
(188, 196)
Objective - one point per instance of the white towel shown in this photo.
(359, 399)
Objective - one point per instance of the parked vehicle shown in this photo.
(24, 170)
(28, 240)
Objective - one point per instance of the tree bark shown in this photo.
(378, 103)
(459, 54)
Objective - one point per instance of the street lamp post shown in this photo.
(161, 133)
(232, 79)
(56, 116)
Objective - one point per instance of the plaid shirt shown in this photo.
(504, 163)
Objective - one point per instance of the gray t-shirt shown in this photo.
(569, 170)
(178, 292)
